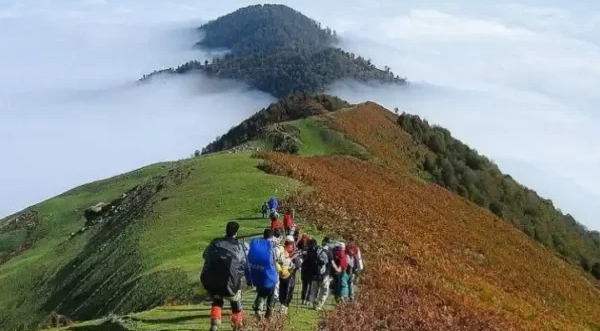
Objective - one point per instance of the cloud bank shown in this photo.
(70, 108)
(513, 80)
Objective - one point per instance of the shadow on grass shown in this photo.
(252, 218)
(173, 320)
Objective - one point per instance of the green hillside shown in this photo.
(144, 252)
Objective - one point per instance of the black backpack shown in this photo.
(317, 263)
(223, 268)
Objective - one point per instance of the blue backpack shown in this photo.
(261, 263)
(273, 204)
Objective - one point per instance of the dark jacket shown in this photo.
(224, 267)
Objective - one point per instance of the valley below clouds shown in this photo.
(515, 81)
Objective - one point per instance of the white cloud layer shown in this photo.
(514, 80)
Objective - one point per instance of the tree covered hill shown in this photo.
(278, 50)
(266, 29)
(454, 165)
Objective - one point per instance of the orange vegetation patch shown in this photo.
(434, 260)
(372, 126)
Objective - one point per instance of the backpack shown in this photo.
(273, 204)
(223, 267)
(340, 258)
(288, 221)
(261, 263)
(317, 262)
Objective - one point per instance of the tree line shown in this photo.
(459, 168)
(293, 107)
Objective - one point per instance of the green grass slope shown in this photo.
(145, 251)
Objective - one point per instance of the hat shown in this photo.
(342, 245)
(290, 238)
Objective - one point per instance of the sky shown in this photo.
(515, 80)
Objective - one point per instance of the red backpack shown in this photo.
(340, 258)
(287, 221)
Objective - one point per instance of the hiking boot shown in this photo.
(237, 321)
(215, 325)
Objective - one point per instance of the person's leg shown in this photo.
(276, 292)
(304, 294)
(216, 312)
(350, 285)
(258, 302)
(270, 303)
(291, 287)
(323, 292)
(315, 285)
(283, 290)
(237, 314)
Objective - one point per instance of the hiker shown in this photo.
(318, 265)
(265, 210)
(263, 273)
(339, 267)
(290, 263)
(305, 245)
(355, 265)
(221, 276)
(275, 224)
(273, 204)
(278, 251)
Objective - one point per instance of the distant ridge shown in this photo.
(278, 50)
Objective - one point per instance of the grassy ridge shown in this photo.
(133, 263)
(23, 278)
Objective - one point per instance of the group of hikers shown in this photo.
(271, 264)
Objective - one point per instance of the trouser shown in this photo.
(351, 286)
(286, 290)
(319, 291)
(276, 289)
(306, 284)
(340, 286)
(216, 310)
(264, 296)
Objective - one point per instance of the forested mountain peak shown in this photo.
(278, 50)
(265, 29)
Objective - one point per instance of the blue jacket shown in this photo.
(261, 262)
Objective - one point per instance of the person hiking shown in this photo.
(278, 251)
(275, 224)
(318, 265)
(303, 243)
(273, 204)
(306, 245)
(339, 267)
(355, 266)
(224, 267)
(265, 210)
(290, 263)
(263, 273)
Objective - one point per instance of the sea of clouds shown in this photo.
(513, 80)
